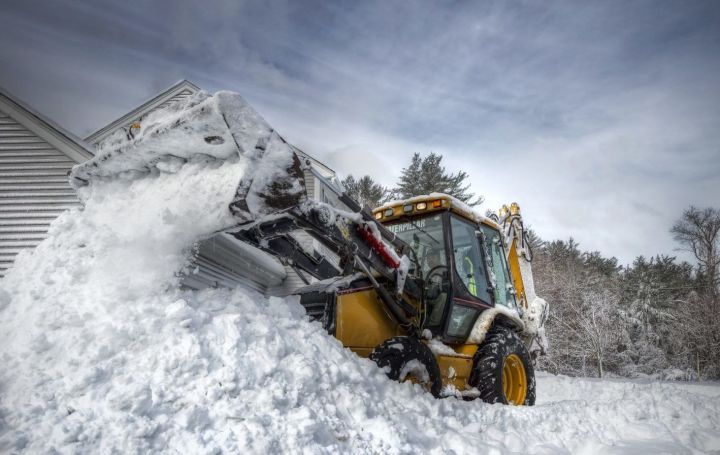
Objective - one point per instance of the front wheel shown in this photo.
(407, 359)
(503, 371)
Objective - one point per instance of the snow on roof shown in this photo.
(455, 204)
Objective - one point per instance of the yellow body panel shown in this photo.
(362, 324)
(467, 350)
(514, 264)
(362, 321)
(362, 352)
(460, 373)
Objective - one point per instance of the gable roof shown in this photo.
(49, 131)
(323, 168)
(180, 89)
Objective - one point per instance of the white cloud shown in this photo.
(601, 120)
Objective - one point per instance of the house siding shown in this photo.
(224, 261)
(34, 189)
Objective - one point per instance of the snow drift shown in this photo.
(104, 352)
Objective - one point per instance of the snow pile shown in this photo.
(103, 352)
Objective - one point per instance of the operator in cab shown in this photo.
(436, 274)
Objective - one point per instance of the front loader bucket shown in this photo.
(205, 127)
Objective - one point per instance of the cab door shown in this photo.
(471, 294)
(501, 286)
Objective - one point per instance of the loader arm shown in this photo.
(362, 244)
(535, 310)
(269, 201)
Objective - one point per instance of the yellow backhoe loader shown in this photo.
(430, 290)
(469, 328)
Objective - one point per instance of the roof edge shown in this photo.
(318, 164)
(156, 100)
(54, 134)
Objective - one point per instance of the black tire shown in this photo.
(487, 375)
(394, 354)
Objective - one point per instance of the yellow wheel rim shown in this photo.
(514, 380)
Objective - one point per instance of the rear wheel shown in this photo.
(503, 371)
(407, 359)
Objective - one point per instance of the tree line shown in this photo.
(658, 317)
(422, 176)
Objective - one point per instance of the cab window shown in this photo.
(468, 260)
(425, 237)
(497, 268)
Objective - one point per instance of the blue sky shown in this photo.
(602, 119)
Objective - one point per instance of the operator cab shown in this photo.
(458, 255)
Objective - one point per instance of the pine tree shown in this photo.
(428, 175)
(365, 191)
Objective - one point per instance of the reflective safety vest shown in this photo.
(471, 276)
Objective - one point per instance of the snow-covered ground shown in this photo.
(102, 352)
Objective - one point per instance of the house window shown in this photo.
(324, 198)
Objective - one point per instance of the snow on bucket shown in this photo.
(206, 128)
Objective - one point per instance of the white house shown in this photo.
(35, 157)
(220, 261)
